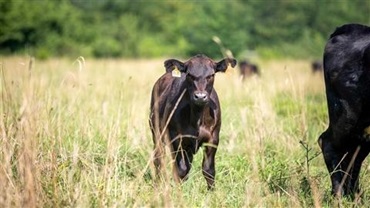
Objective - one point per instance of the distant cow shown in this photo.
(346, 142)
(316, 66)
(185, 112)
(247, 69)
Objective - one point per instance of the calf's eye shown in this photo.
(210, 77)
(190, 77)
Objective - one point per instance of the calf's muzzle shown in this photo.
(200, 98)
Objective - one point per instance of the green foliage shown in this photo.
(112, 28)
(274, 171)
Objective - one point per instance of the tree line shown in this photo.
(154, 28)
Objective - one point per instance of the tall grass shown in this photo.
(75, 133)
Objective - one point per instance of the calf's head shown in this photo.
(199, 71)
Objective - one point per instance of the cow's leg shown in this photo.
(343, 172)
(209, 171)
(359, 155)
(183, 164)
(336, 142)
(158, 154)
(183, 159)
(333, 159)
(350, 166)
(158, 151)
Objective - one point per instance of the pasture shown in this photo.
(75, 133)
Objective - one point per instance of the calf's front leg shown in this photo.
(183, 157)
(209, 171)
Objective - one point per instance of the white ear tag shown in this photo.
(176, 72)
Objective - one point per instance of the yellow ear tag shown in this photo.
(176, 72)
(367, 131)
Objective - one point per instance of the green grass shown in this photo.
(75, 133)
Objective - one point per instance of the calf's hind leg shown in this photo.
(158, 154)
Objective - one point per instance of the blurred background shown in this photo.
(153, 28)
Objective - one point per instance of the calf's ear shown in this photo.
(222, 65)
(171, 64)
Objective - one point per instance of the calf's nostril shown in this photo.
(200, 96)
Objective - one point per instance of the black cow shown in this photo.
(247, 69)
(185, 112)
(316, 66)
(346, 142)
